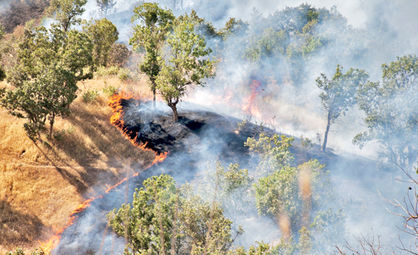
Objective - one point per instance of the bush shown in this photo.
(119, 55)
(109, 90)
(90, 96)
(124, 74)
(107, 71)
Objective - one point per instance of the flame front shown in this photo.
(116, 119)
(250, 107)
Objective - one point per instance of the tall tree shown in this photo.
(391, 111)
(152, 26)
(103, 34)
(339, 94)
(186, 65)
(66, 12)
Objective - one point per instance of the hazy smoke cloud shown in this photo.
(377, 32)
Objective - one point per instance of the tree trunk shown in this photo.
(154, 91)
(324, 145)
(51, 125)
(175, 114)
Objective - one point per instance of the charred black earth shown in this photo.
(153, 126)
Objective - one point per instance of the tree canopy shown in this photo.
(391, 107)
(186, 63)
(67, 12)
(49, 64)
(339, 94)
(152, 26)
(165, 219)
(103, 35)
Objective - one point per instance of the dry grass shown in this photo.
(40, 185)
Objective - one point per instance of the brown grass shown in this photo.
(40, 185)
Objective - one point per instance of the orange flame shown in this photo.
(116, 119)
(250, 107)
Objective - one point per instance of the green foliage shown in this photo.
(103, 34)
(109, 90)
(19, 251)
(277, 194)
(90, 96)
(390, 109)
(66, 12)
(107, 71)
(163, 218)
(339, 93)
(49, 63)
(152, 26)
(119, 55)
(124, 74)
(274, 151)
(41, 98)
(293, 193)
(186, 64)
(233, 27)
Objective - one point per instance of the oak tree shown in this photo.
(186, 64)
(152, 26)
(103, 35)
(163, 218)
(66, 12)
(339, 94)
(390, 106)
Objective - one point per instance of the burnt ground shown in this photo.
(226, 135)
(199, 136)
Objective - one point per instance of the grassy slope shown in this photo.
(41, 185)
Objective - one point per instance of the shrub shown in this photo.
(124, 74)
(90, 96)
(107, 71)
(109, 90)
(119, 55)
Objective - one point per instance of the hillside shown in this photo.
(43, 184)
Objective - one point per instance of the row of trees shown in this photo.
(389, 106)
(51, 61)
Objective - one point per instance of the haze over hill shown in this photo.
(338, 82)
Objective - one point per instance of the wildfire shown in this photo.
(116, 119)
(250, 107)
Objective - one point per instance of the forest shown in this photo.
(208, 127)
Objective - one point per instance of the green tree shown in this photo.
(232, 27)
(150, 31)
(66, 12)
(103, 35)
(40, 99)
(119, 55)
(49, 64)
(274, 151)
(391, 111)
(186, 65)
(339, 94)
(165, 219)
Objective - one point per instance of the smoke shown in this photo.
(363, 34)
